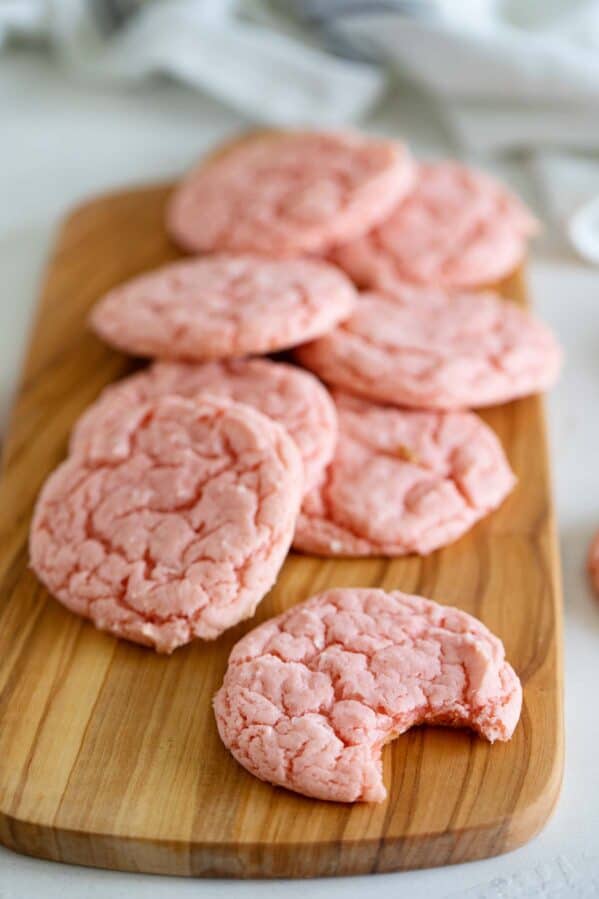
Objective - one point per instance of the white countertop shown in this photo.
(60, 142)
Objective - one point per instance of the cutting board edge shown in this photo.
(248, 860)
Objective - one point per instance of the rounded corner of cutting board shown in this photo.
(104, 203)
(26, 837)
(529, 819)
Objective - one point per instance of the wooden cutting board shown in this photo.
(109, 754)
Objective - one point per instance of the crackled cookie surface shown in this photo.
(402, 481)
(286, 194)
(436, 349)
(174, 525)
(223, 306)
(310, 698)
(294, 398)
(456, 228)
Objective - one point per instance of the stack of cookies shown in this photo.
(187, 483)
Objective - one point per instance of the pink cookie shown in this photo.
(173, 526)
(310, 697)
(457, 228)
(294, 398)
(593, 563)
(429, 348)
(289, 193)
(402, 481)
(223, 306)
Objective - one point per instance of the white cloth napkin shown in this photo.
(506, 74)
(511, 75)
(213, 45)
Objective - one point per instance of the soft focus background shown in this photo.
(99, 93)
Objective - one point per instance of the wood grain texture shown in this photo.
(109, 754)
